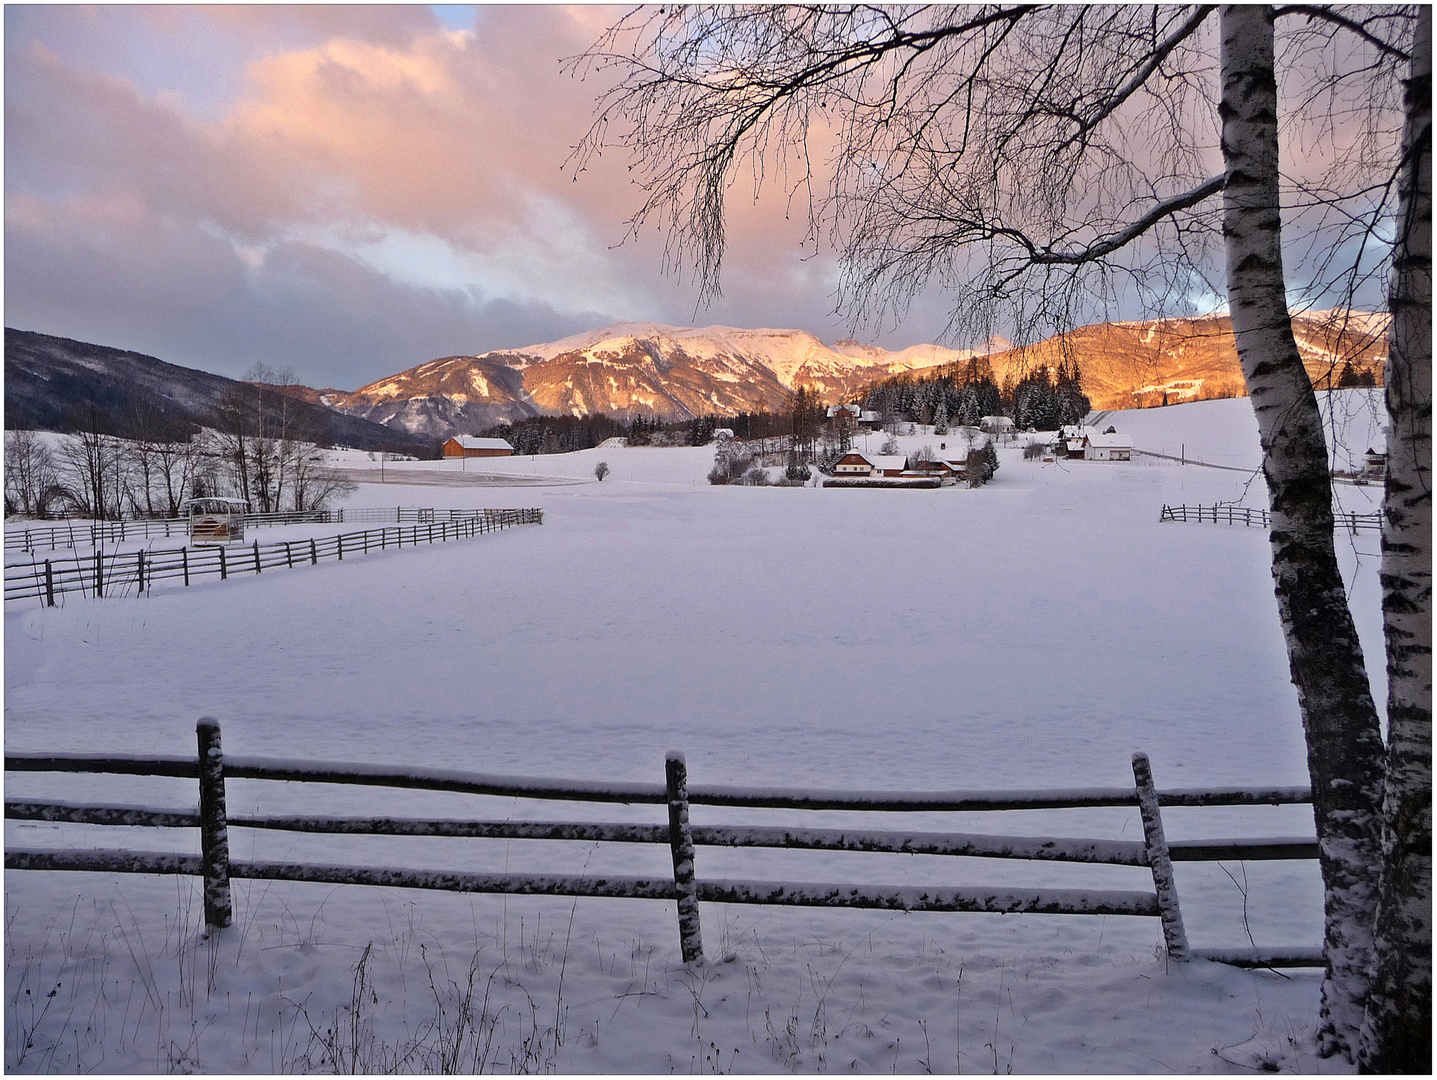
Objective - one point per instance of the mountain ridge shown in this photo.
(628, 369)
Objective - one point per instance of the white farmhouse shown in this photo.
(1110, 447)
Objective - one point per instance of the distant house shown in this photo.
(854, 463)
(1376, 464)
(468, 446)
(868, 418)
(858, 463)
(1072, 440)
(954, 468)
(996, 425)
(852, 410)
(1104, 447)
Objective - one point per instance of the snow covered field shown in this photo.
(1033, 633)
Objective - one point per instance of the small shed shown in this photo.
(467, 446)
(214, 520)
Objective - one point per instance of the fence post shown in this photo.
(341, 547)
(49, 585)
(214, 835)
(681, 843)
(99, 574)
(256, 556)
(139, 573)
(1174, 936)
(185, 563)
(224, 570)
(313, 553)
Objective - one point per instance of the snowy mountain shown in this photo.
(629, 368)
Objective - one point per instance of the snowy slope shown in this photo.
(1031, 633)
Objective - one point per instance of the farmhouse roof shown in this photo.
(471, 442)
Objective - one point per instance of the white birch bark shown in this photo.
(1397, 1031)
(1344, 741)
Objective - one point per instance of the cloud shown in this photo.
(350, 190)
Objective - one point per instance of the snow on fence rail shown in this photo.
(86, 533)
(1246, 515)
(136, 572)
(214, 865)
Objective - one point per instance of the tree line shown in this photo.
(259, 448)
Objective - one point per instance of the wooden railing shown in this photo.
(73, 533)
(1246, 515)
(135, 573)
(212, 769)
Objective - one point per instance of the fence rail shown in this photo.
(135, 573)
(212, 769)
(1253, 516)
(86, 533)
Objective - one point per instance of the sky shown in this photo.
(342, 191)
(348, 191)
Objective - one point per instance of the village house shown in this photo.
(1108, 446)
(853, 463)
(1077, 441)
(945, 468)
(468, 446)
(1072, 439)
(858, 463)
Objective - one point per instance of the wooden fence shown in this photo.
(73, 533)
(211, 769)
(1245, 515)
(134, 573)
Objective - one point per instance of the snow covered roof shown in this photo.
(471, 442)
(833, 410)
(887, 461)
(1110, 442)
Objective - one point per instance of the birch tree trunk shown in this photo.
(1397, 1031)
(1344, 740)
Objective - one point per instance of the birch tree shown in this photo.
(1035, 163)
(1397, 1036)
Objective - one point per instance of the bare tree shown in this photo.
(1038, 162)
(92, 465)
(29, 472)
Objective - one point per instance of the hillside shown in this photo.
(1137, 364)
(53, 383)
